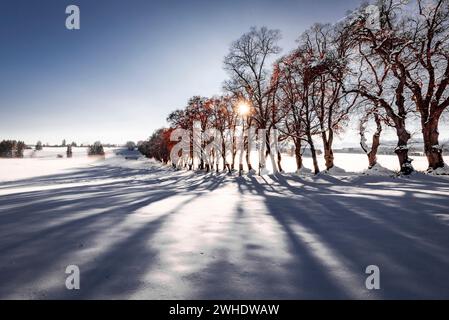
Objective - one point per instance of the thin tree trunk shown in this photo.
(279, 162)
(233, 153)
(223, 152)
(190, 160)
(262, 152)
(270, 153)
(372, 155)
(248, 155)
(313, 151)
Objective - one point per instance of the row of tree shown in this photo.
(95, 149)
(158, 146)
(387, 65)
(12, 149)
(15, 149)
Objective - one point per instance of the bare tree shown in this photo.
(296, 77)
(424, 66)
(328, 55)
(246, 64)
(377, 78)
(158, 146)
(198, 109)
(371, 151)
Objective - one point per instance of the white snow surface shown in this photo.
(334, 171)
(378, 170)
(139, 230)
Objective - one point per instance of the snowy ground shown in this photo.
(141, 231)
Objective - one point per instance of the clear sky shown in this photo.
(130, 64)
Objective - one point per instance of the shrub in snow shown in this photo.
(96, 149)
(11, 149)
(38, 146)
(130, 145)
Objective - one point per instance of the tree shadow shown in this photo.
(285, 236)
(41, 232)
(399, 233)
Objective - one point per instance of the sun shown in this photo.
(243, 108)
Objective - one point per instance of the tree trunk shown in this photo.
(233, 153)
(248, 155)
(313, 151)
(372, 155)
(223, 153)
(224, 163)
(190, 163)
(279, 162)
(270, 152)
(432, 149)
(240, 169)
(298, 155)
(402, 149)
(262, 153)
(328, 156)
(328, 152)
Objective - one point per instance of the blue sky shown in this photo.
(132, 62)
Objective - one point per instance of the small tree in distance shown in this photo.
(130, 145)
(69, 151)
(96, 149)
(38, 146)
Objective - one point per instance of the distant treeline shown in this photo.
(73, 144)
(12, 149)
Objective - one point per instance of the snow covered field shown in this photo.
(45, 162)
(141, 231)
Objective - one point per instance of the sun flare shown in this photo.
(243, 108)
